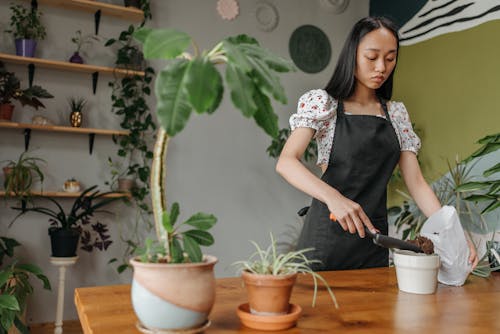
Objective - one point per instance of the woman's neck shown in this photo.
(363, 95)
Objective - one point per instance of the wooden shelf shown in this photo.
(126, 13)
(64, 194)
(67, 66)
(57, 128)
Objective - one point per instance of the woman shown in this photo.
(361, 137)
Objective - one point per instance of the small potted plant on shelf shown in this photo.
(10, 89)
(21, 174)
(15, 287)
(192, 82)
(80, 40)
(129, 55)
(77, 105)
(27, 28)
(69, 227)
(269, 277)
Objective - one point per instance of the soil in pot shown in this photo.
(64, 242)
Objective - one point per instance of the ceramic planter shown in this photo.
(76, 58)
(25, 47)
(416, 272)
(75, 119)
(125, 184)
(269, 294)
(173, 296)
(6, 111)
(64, 242)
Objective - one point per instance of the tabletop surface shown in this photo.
(369, 300)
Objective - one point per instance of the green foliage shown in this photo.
(269, 262)
(88, 203)
(80, 40)
(15, 287)
(183, 243)
(23, 173)
(10, 89)
(193, 83)
(277, 144)
(485, 190)
(25, 23)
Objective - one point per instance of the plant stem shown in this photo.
(158, 174)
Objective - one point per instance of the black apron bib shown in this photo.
(364, 153)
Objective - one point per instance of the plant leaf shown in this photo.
(9, 302)
(236, 57)
(201, 221)
(142, 34)
(491, 207)
(265, 116)
(165, 43)
(267, 81)
(173, 108)
(165, 220)
(192, 249)
(174, 213)
(203, 83)
(176, 251)
(203, 238)
(276, 63)
(242, 39)
(472, 186)
(492, 170)
(242, 90)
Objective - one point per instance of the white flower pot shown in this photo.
(416, 272)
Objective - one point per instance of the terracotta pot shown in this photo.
(6, 111)
(173, 296)
(125, 184)
(269, 294)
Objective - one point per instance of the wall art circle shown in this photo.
(310, 48)
(335, 6)
(266, 15)
(228, 9)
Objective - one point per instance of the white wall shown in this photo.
(218, 164)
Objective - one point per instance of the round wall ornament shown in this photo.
(228, 9)
(310, 48)
(266, 15)
(335, 6)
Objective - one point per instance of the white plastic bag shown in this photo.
(443, 228)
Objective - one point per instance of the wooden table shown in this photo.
(369, 299)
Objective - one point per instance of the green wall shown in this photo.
(450, 85)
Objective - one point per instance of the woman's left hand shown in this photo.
(473, 259)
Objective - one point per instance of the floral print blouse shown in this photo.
(318, 110)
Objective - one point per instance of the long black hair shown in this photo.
(342, 83)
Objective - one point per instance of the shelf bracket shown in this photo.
(27, 137)
(95, 77)
(97, 20)
(31, 74)
(34, 5)
(91, 142)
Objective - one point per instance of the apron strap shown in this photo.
(340, 108)
(383, 103)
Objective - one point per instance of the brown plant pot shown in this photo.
(6, 111)
(269, 294)
(125, 184)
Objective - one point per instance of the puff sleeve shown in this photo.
(315, 109)
(408, 139)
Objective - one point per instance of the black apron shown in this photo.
(364, 153)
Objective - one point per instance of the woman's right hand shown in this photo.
(350, 215)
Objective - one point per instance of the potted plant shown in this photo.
(129, 55)
(188, 83)
(69, 227)
(269, 277)
(77, 105)
(27, 29)
(79, 40)
(21, 174)
(10, 89)
(15, 287)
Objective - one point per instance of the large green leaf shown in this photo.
(218, 100)
(37, 272)
(203, 83)
(236, 56)
(142, 34)
(492, 170)
(265, 116)
(201, 237)
(479, 198)
(491, 207)
(202, 221)
(6, 320)
(9, 302)
(242, 90)
(472, 186)
(242, 39)
(268, 82)
(173, 108)
(192, 249)
(165, 43)
(275, 62)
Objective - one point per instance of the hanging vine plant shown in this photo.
(133, 161)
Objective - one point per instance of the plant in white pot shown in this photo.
(192, 82)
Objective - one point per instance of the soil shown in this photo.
(425, 244)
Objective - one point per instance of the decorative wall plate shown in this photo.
(228, 9)
(335, 6)
(310, 48)
(266, 15)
